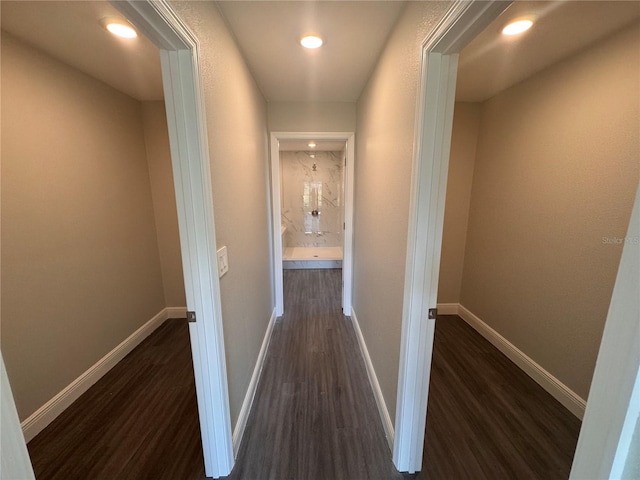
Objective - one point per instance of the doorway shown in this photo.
(98, 226)
(546, 365)
(431, 138)
(312, 206)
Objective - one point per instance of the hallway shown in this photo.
(314, 416)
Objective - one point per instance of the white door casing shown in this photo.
(184, 102)
(14, 457)
(432, 141)
(276, 214)
(605, 436)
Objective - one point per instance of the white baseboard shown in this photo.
(375, 386)
(46, 414)
(243, 416)
(567, 397)
(448, 308)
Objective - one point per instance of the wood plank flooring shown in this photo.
(487, 419)
(314, 416)
(139, 421)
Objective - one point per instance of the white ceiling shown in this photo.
(355, 33)
(71, 32)
(493, 62)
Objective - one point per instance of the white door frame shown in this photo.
(276, 214)
(432, 141)
(609, 421)
(184, 100)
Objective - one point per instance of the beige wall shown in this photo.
(556, 173)
(384, 150)
(464, 137)
(80, 264)
(311, 116)
(156, 138)
(236, 121)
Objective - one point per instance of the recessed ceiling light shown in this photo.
(519, 26)
(121, 29)
(311, 41)
(312, 144)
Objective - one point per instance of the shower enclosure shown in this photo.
(312, 200)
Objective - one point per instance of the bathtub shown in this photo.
(312, 257)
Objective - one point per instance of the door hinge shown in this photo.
(191, 317)
(433, 313)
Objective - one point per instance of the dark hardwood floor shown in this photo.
(487, 419)
(139, 421)
(314, 415)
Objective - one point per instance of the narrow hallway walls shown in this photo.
(384, 153)
(236, 118)
(311, 116)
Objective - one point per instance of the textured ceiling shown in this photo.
(71, 32)
(493, 62)
(355, 32)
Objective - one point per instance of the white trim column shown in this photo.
(184, 100)
(432, 141)
(14, 457)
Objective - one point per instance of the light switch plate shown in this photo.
(223, 261)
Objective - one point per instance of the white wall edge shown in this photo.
(14, 457)
(47, 413)
(241, 424)
(190, 159)
(375, 386)
(448, 308)
(430, 166)
(567, 397)
(276, 222)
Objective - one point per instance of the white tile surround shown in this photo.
(324, 192)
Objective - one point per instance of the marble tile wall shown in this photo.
(310, 185)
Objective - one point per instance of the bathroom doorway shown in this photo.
(312, 206)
